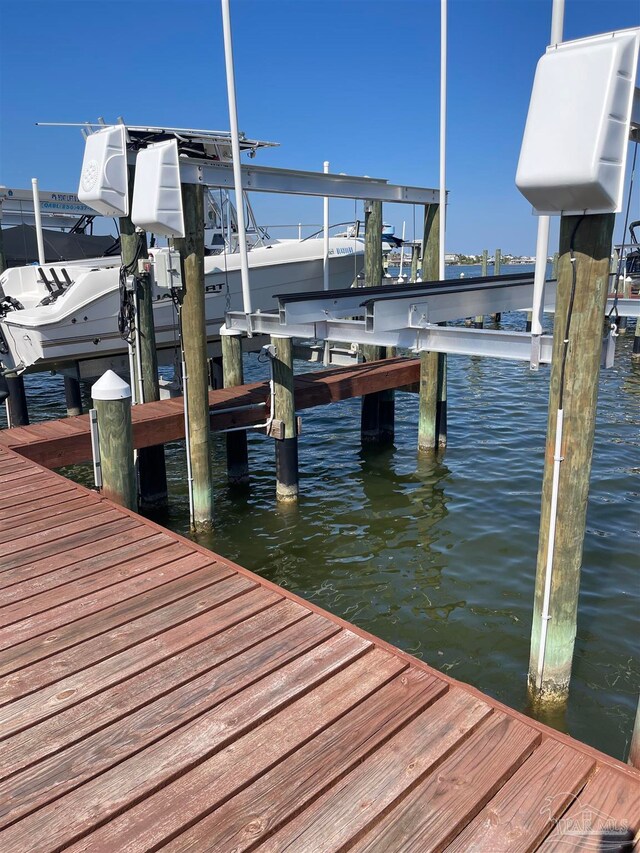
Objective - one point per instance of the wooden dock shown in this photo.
(67, 441)
(155, 695)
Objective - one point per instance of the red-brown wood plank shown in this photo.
(157, 719)
(170, 563)
(260, 809)
(88, 517)
(435, 811)
(34, 503)
(71, 816)
(49, 517)
(35, 665)
(60, 550)
(604, 817)
(149, 553)
(43, 575)
(362, 796)
(522, 812)
(158, 665)
(154, 819)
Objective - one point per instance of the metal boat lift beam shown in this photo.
(297, 182)
(456, 340)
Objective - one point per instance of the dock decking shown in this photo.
(156, 696)
(67, 441)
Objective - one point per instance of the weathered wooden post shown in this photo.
(232, 375)
(17, 409)
(583, 278)
(432, 418)
(634, 750)
(415, 257)
(194, 339)
(497, 269)
(635, 355)
(73, 395)
(152, 472)
(285, 413)
(112, 402)
(478, 320)
(554, 265)
(370, 432)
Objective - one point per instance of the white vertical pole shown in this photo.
(325, 268)
(443, 133)
(300, 231)
(235, 148)
(36, 207)
(542, 244)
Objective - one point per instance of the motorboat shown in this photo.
(59, 313)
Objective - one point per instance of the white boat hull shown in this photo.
(82, 324)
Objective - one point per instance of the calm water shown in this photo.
(438, 557)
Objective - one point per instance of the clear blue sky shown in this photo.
(350, 81)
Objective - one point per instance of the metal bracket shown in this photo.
(95, 448)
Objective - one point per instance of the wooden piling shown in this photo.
(432, 417)
(285, 413)
(574, 388)
(152, 472)
(370, 430)
(194, 339)
(554, 265)
(485, 262)
(496, 271)
(415, 257)
(112, 401)
(232, 375)
(635, 355)
(73, 396)
(17, 409)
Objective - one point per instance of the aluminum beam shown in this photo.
(457, 340)
(298, 182)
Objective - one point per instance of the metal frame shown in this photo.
(298, 182)
(457, 340)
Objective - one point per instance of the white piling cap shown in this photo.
(110, 387)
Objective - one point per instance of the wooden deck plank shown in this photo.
(156, 720)
(120, 626)
(169, 564)
(514, 820)
(435, 811)
(18, 511)
(152, 820)
(41, 576)
(349, 807)
(604, 817)
(158, 665)
(260, 809)
(86, 518)
(148, 554)
(48, 517)
(105, 796)
(61, 551)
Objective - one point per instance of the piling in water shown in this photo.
(72, 396)
(194, 338)
(232, 375)
(583, 285)
(284, 412)
(370, 430)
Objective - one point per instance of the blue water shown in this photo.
(438, 557)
